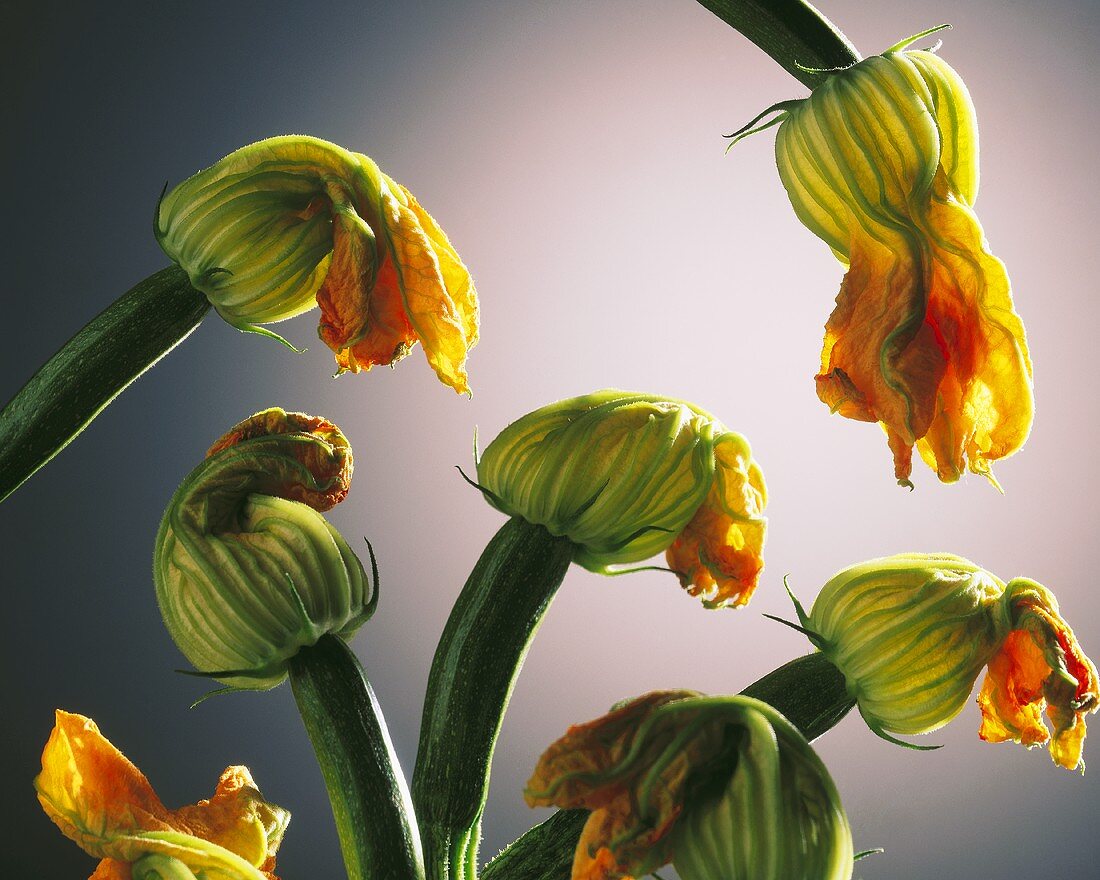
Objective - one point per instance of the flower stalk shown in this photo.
(369, 797)
(798, 37)
(475, 668)
(93, 368)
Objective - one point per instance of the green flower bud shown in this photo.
(911, 633)
(721, 787)
(625, 476)
(247, 570)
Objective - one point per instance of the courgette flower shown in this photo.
(881, 163)
(247, 571)
(106, 805)
(724, 788)
(911, 633)
(291, 222)
(625, 476)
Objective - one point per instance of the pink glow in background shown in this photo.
(573, 153)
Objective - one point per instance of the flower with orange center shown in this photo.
(911, 633)
(721, 787)
(106, 805)
(291, 222)
(881, 163)
(625, 476)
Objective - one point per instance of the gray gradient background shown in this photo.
(572, 151)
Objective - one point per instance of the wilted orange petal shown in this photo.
(719, 554)
(230, 818)
(388, 336)
(330, 465)
(91, 791)
(1012, 694)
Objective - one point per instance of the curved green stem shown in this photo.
(802, 40)
(92, 368)
(370, 801)
(809, 691)
(475, 667)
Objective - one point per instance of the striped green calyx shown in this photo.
(722, 787)
(625, 476)
(254, 231)
(911, 633)
(247, 570)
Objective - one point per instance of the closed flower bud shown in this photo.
(881, 163)
(288, 223)
(247, 570)
(721, 787)
(911, 633)
(625, 476)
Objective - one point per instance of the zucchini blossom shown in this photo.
(724, 788)
(881, 163)
(625, 476)
(911, 633)
(247, 570)
(291, 222)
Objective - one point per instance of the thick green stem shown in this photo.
(809, 691)
(92, 368)
(795, 34)
(471, 680)
(370, 801)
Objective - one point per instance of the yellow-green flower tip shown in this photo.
(625, 476)
(247, 570)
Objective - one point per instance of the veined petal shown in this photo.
(100, 800)
(1039, 666)
(91, 791)
(719, 555)
(436, 288)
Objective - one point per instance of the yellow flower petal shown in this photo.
(100, 800)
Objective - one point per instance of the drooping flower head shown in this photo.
(106, 805)
(625, 476)
(291, 222)
(247, 570)
(724, 788)
(911, 633)
(881, 163)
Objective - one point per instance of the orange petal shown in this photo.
(1040, 666)
(329, 464)
(719, 554)
(91, 791)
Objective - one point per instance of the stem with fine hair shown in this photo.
(92, 368)
(370, 800)
(802, 40)
(475, 667)
(810, 692)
